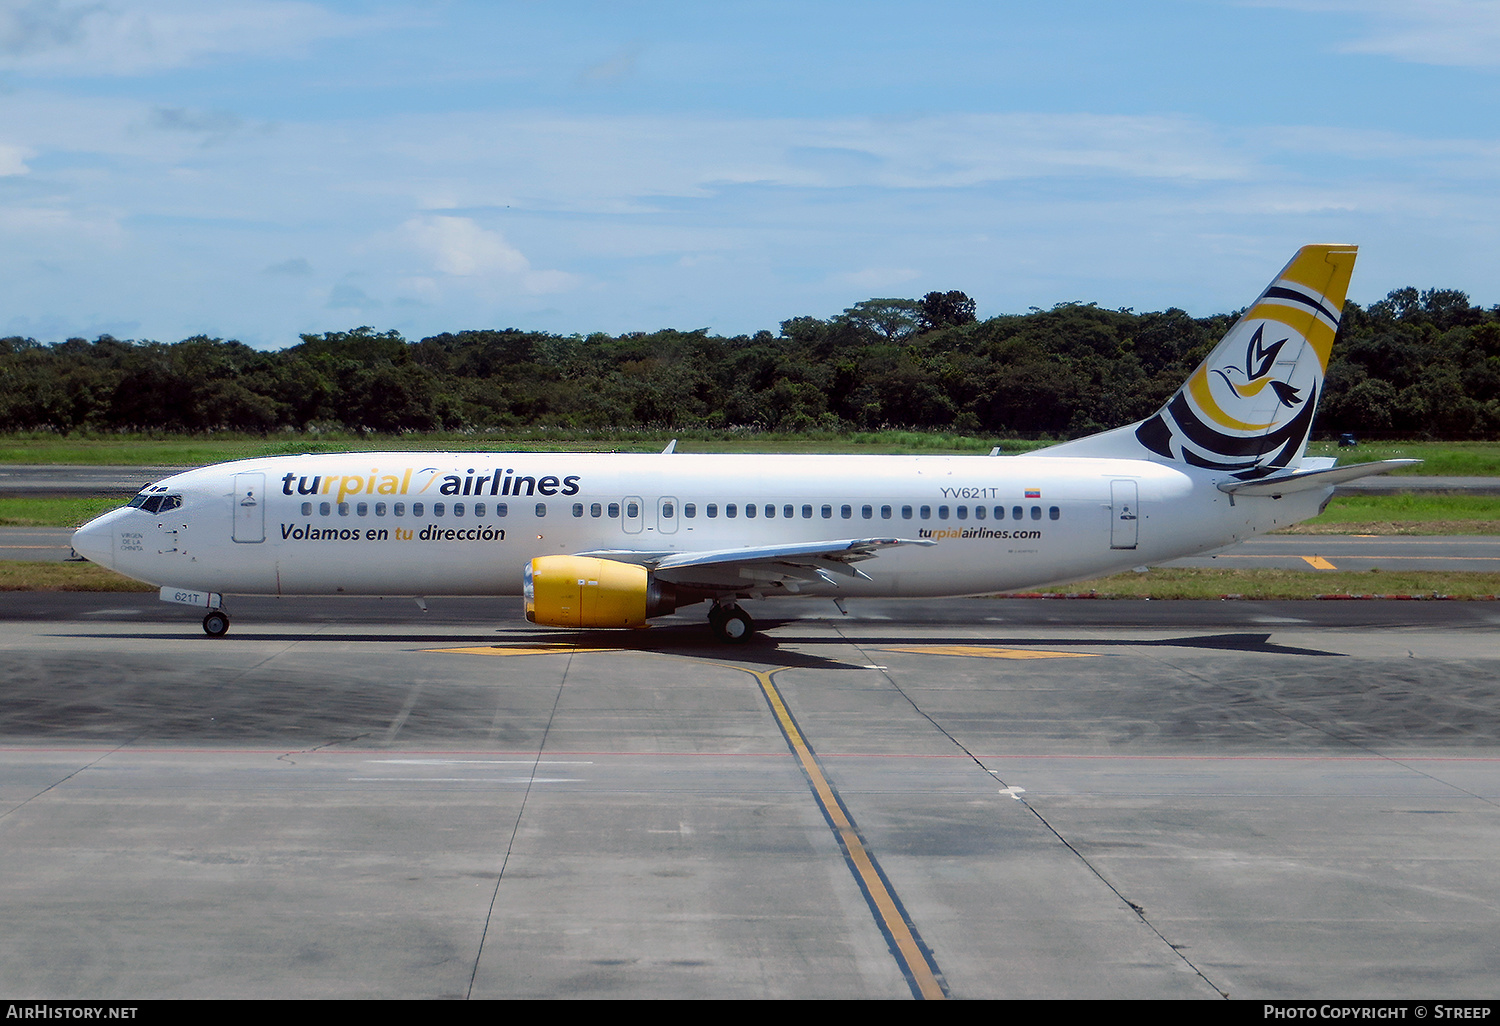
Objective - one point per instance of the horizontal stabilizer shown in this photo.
(1288, 484)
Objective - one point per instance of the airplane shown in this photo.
(612, 540)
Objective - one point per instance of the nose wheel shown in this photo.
(216, 624)
(730, 624)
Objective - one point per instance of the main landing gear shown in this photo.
(730, 623)
(216, 624)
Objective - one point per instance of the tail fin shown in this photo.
(1248, 408)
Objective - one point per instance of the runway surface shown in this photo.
(62, 479)
(983, 798)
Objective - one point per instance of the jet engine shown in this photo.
(582, 591)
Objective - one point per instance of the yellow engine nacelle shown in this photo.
(581, 591)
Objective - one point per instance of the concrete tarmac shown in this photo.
(972, 798)
(44, 544)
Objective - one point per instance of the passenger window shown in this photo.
(439, 509)
(807, 512)
(712, 510)
(479, 509)
(963, 512)
(399, 509)
(343, 509)
(363, 509)
(1036, 512)
(867, 512)
(458, 509)
(578, 509)
(541, 509)
(979, 512)
(942, 512)
(690, 510)
(668, 511)
(846, 512)
(926, 512)
(324, 509)
(502, 509)
(730, 509)
(1053, 513)
(632, 510)
(380, 509)
(1017, 513)
(307, 509)
(827, 512)
(885, 512)
(749, 510)
(905, 512)
(770, 511)
(417, 509)
(788, 511)
(614, 511)
(596, 510)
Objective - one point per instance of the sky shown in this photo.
(260, 169)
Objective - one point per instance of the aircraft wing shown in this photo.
(813, 562)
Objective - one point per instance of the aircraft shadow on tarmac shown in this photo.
(696, 641)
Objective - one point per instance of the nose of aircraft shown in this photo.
(95, 540)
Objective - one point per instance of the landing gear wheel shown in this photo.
(216, 624)
(732, 625)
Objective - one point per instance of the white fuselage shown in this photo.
(469, 523)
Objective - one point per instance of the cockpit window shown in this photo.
(155, 503)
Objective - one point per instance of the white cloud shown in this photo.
(876, 278)
(627, 164)
(614, 69)
(459, 247)
(1463, 33)
(13, 160)
(83, 37)
(644, 220)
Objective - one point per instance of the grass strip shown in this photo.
(62, 511)
(37, 576)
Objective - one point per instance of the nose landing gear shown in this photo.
(216, 624)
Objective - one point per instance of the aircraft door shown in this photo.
(249, 507)
(632, 514)
(666, 515)
(1124, 505)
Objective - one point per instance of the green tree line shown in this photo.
(1416, 363)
